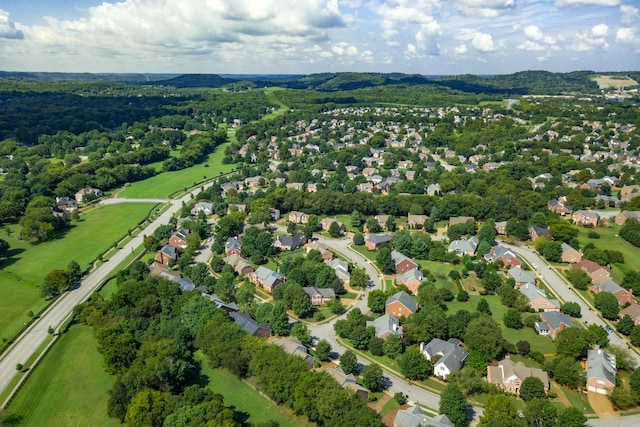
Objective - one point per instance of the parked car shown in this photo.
(608, 329)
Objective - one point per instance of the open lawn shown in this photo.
(609, 239)
(245, 399)
(22, 273)
(167, 183)
(370, 255)
(69, 387)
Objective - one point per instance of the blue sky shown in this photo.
(307, 36)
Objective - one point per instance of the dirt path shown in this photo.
(601, 405)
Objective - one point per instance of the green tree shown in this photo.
(279, 319)
(571, 308)
(372, 377)
(392, 347)
(300, 331)
(75, 272)
(483, 307)
(348, 362)
(373, 226)
(323, 350)
(500, 410)
(414, 365)
(634, 336)
(453, 404)
(147, 409)
(562, 231)
(390, 223)
(532, 388)
(607, 303)
(377, 300)
(566, 371)
(512, 319)
(578, 278)
(56, 281)
(572, 417)
(571, 342)
(384, 261)
(334, 230)
(359, 278)
(485, 336)
(487, 232)
(553, 251)
(358, 239)
(540, 412)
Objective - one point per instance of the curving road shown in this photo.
(32, 339)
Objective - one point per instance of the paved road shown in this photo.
(27, 344)
(566, 293)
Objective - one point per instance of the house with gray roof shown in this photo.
(348, 381)
(521, 276)
(552, 323)
(319, 296)
(226, 306)
(233, 245)
(166, 254)
(294, 347)
(412, 279)
(401, 304)
(509, 375)
(601, 371)
(207, 208)
(266, 278)
(373, 242)
(415, 417)
(250, 326)
(385, 326)
(341, 267)
(452, 355)
(537, 298)
(624, 296)
(464, 246)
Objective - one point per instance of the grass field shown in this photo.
(22, 273)
(245, 399)
(609, 239)
(68, 388)
(166, 183)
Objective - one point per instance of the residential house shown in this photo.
(319, 296)
(229, 307)
(451, 355)
(290, 243)
(401, 304)
(166, 254)
(464, 246)
(623, 295)
(554, 205)
(598, 273)
(348, 381)
(509, 375)
(538, 298)
(402, 262)
(623, 216)
(326, 254)
(433, 189)
(250, 326)
(459, 220)
(585, 218)
(275, 214)
(298, 217)
(326, 224)
(609, 201)
(570, 255)
(628, 192)
(385, 326)
(158, 269)
(412, 279)
(341, 268)
(501, 227)
(552, 323)
(266, 279)
(206, 207)
(504, 255)
(536, 232)
(66, 204)
(632, 311)
(382, 220)
(240, 265)
(601, 371)
(373, 242)
(294, 347)
(415, 417)
(416, 221)
(179, 238)
(522, 277)
(79, 196)
(233, 246)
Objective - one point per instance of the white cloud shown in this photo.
(533, 32)
(8, 29)
(625, 35)
(483, 8)
(572, 3)
(629, 14)
(461, 50)
(481, 41)
(583, 42)
(600, 30)
(343, 48)
(530, 45)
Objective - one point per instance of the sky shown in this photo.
(432, 37)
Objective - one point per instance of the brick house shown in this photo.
(373, 242)
(319, 296)
(556, 206)
(585, 218)
(536, 232)
(508, 375)
(412, 279)
(552, 323)
(253, 328)
(232, 246)
(290, 243)
(537, 299)
(623, 216)
(385, 326)
(623, 296)
(598, 273)
(504, 255)
(632, 311)
(240, 265)
(601, 371)
(402, 262)
(325, 224)
(298, 217)
(179, 238)
(401, 304)
(570, 255)
(416, 221)
(166, 254)
(266, 279)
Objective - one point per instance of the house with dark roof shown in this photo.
(552, 323)
(401, 304)
(250, 326)
(451, 355)
(537, 298)
(504, 255)
(415, 417)
(536, 232)
(348, 381)
(624, 296)
(319, 296)
(402, 262)
(558, 207)
(385, 326)
(508, 375)
(290, 242)
(585, 218)
(601, 371)
(229, 307)
(373, 242)
(266, 279)
(166, 254)
(179, 238)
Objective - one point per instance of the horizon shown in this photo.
(427, 37)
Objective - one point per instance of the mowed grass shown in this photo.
(23, 272)
(167, 183)
(609, 239)
(244, 398)
(68, 388)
